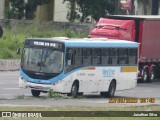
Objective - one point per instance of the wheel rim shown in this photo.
(73, 89)
(145, 76)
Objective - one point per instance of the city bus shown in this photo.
(76, 66)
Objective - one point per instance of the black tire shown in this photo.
(74, 90)
(35, 93)
(111, 90)
(152, 75)
(145, 76)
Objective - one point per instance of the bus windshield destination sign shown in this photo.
(45, 44)
(38, 43)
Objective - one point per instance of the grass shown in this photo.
(14, 37)
(80, 108)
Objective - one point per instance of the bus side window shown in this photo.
(96, 56)
(69, 57)
(69, 60)
(86, 56)
(78, 57)
(123, 56)
(105, 56)
(132, 53)
(113, 56)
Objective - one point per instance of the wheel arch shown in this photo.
(114, 80)
(151, 67)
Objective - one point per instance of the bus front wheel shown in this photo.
(74, 90)
(35, 93)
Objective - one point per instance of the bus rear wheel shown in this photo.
(35, 93)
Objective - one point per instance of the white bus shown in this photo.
(76, 66)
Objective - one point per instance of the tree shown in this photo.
(146, 6)
(95, 9)
(21, 9)
(17, 10)
(72, 14)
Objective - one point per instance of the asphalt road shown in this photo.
(10, 94)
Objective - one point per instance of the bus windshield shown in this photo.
(42, 60)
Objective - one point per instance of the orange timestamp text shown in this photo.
(131, 100)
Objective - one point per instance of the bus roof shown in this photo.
(89, 42)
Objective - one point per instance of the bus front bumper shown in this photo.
(42, 87)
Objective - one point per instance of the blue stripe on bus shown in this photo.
(50, 81)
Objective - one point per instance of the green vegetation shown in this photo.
(96, 9)
(14, 37)
(55, 95)
(80, 108)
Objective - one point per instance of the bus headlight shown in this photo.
(59, 81)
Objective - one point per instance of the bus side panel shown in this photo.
(79, 76)
(90, 81)
(113, 73)
(67, 81)
(129, 74)
(132, 80)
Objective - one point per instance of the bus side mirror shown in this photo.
(1, 31)
(18, 51)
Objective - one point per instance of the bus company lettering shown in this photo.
(108, 72)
